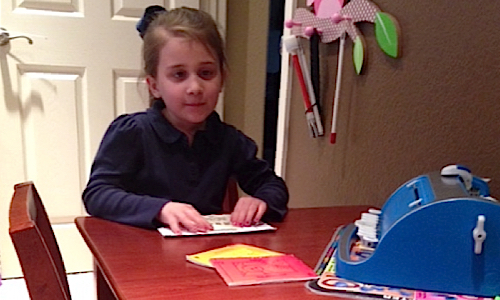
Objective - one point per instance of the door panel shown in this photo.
(126, 87)
(51, 109)
(49, 6)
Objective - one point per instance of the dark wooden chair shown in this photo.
(36, 246)
(231, 196)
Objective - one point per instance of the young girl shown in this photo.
(170, 164)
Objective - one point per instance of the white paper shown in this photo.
(221, 225)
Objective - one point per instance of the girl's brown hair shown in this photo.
(185, 22)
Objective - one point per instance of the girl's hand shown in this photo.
(182, 216)
(248, 211)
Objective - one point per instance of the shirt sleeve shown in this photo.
(256, 178)
(114, 168)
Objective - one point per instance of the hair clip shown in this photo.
(149, 14)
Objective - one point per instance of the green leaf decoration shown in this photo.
(358, 54)
(386, 33)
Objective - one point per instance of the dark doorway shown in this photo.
(273, 74)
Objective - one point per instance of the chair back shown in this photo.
(36, 245)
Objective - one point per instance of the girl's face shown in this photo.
(189, 81)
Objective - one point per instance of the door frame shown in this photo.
(284, 99)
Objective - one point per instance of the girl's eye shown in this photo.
(179, 75)
(207, 74)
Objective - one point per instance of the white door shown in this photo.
(57, 97)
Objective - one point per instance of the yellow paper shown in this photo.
(231, 251)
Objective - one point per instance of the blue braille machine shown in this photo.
(437, 232)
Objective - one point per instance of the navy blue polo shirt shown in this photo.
(144, 162)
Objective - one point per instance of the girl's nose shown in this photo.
(194, 85)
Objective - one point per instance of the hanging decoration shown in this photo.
(333, 19)
(313, 118)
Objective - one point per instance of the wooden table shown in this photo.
(133, 263)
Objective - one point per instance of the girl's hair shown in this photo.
(185, 22)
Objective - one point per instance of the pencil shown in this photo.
(333, 132)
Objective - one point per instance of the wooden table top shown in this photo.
(141, 264)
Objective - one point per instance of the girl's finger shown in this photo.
(174, 225)
(260, 212)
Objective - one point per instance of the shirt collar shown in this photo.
(169, 134)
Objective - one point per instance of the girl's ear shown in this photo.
(153, 87)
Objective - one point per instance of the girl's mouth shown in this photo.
(195, 104)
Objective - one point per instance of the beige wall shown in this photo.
(246, 38)
(438, 104)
